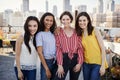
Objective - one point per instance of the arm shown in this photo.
(80, 51)
(39, 44)
(17, 56)
(39, 49)
(57, 31)
(80, 56)
(103, 56)
(59, 56)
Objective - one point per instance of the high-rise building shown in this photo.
(67, 6)
(82, 8)
(46, 5)
(100, 6)
(111, 5)
(94, 10)
(55, 10)
(25, 5)
(7, 16)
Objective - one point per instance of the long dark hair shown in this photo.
(27, 32)
(42, 26)
(79, 30)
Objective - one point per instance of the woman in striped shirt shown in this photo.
(69, 50)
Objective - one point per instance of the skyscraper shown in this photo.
(25, 5)
(46, 3)
(100, 6)
(55, 10)
(111, 5)
(82, 8)
(67, 6)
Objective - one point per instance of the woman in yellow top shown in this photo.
(94, 50)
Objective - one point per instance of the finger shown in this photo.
(59, 75)
(74, 69)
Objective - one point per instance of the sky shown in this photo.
(39, 5)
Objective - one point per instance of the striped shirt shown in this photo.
(71, 45)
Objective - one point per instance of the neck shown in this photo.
(85, 32)
(67, 28)
(47, 30)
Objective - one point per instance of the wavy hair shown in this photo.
(79, 30)
(42, 26)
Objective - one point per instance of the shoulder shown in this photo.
(39, 33)
(20, 39)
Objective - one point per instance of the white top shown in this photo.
(28, 61)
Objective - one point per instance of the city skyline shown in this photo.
(40, 5)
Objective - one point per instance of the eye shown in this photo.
(29, 25)
(80, 21)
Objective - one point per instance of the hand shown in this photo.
(102, 70)
(77, 68)
(20, 75)
(60, 71)
(57, 31)
(48, 73)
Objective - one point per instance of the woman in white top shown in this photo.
(26, 54)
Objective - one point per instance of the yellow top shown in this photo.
(92, 52)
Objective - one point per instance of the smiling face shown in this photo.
(32, 26)
(83, 22)
(65, 20)
(48, 22)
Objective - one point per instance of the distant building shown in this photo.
(67, 6)
(98, 19)
(117, 8)
(46, 3)
(55, 10)
(40, 14)
(100, 6)
(82, 8)
(16, 19)
(111, 5)
(113, 19)
(7, 16)
(94, 10)
(25, 5)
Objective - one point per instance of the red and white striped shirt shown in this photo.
(70, 45)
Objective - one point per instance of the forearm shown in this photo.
(18, 63)
(103, 57)
(43, 61)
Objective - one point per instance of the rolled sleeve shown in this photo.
(59, 55)
(80, 51)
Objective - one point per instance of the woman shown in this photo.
(46, 47)
(69, 50)
(26, 53)
(94, 50)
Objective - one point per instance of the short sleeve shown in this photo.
(39, 41)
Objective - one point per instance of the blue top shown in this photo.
(47, 41)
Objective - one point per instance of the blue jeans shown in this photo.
(51, 65)
(91, 71)
(28, 74)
